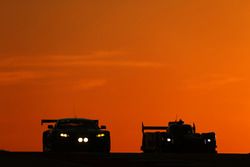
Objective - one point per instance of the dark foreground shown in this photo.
(121, 159)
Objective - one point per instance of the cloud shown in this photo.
(17, 76)
(212, 83)
(86, 84)
(54, 80)
(95, 59)
(54, 69)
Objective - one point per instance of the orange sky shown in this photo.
(125, 62)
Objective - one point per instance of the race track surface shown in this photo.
(39, 159)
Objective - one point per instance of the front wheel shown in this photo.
(46, 147)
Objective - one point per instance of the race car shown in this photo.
(177, 137)
(75, 134)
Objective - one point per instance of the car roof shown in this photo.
(80, 119)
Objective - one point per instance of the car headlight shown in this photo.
(208, 140)
(85, 139)
(64, 135)
(100, 135)
(169, 139)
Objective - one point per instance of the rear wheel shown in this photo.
(46, 148)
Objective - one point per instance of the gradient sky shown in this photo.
(124, 62)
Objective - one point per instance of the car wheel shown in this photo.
(46, 148)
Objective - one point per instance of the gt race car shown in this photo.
(75, 134)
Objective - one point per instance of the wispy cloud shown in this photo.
(49, 69)
(95, 59)
(17, 76)
(212, 82)
(86, 84)
(55, 80)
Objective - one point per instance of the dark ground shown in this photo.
(121, 159)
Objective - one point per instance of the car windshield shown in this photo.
(180, 129)
(77, 123)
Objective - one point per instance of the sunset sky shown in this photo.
(124, 62)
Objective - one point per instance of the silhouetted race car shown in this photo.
(75, 134)
(177, 137)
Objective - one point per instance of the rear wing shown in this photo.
(153, 128)
(48, 121)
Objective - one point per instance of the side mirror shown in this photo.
(103, 127)
(50, 127)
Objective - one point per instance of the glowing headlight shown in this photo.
(100, 135)
(85, 139)
(208, 141)
(64, 135)
(169, 139)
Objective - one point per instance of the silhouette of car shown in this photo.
(75, 134)
(177, 137)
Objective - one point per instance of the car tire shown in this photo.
(46, 148)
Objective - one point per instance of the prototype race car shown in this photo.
(177, 137)
(75, 134)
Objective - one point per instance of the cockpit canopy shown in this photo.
(178, 129)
